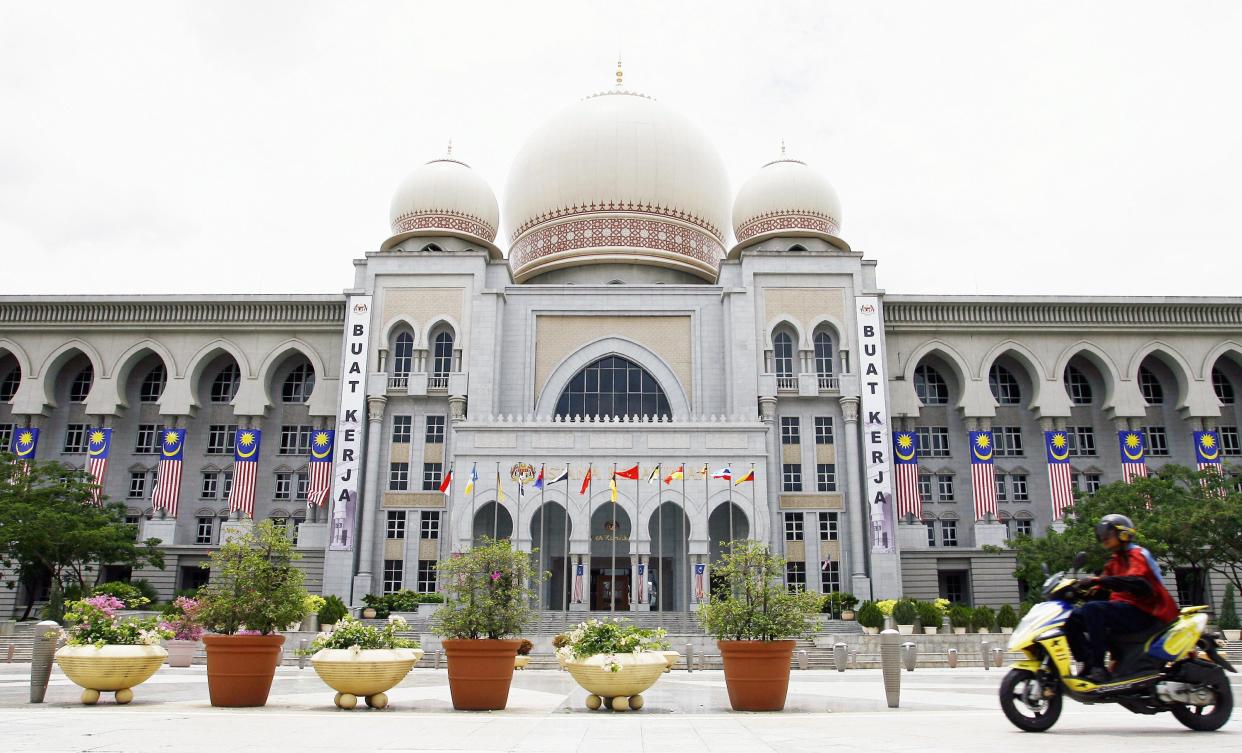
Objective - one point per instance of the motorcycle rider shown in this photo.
(1137, 599)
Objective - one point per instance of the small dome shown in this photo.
(785, 198)
(617, 178)
(444, 197)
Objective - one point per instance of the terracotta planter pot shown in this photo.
(180, 653)
(479, 672)
(757, 673)
(109, 668)
(240, 668)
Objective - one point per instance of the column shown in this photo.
(371, 497)
(855, 506)
(772, 480)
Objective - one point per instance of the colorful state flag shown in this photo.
(168, 474)
(612, 487)
(98, 445)
(1060, 475)
(586, 482)
(320, 468)
(447, 482)
(680, 473)
(500, 490)
(982, 474)
(725, 473)
(562, 476)
(474, 476)
(654, 476)
(747, 476)
(906, 474)
(630, 473)
(1207, 450)
(539, 478)
(245, 471)
(1133, 455)
(25, 443)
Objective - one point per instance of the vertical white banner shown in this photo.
(351, 418)
(876, 444)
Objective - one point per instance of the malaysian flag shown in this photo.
(1133, 455)
(982, 474)
(168, 476)
(320, 468)
(1207, 450)
(245, 471)
(578, 583)
(98, 443)
(642, 580)
(906, 474)
(24, 444)
(1060, 479)
(699, 569)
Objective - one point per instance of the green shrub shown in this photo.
(1023, 608)
(960, 615)
(404, 600)
(930, 614)
(983, 617)
(129, 593)
(838, 602)
(491, 588)
(905, 613)
(870, 616)
(752, 603)
(1228, 619)
(254, 584)
(148, 590)
(1006, 617)
(332, 611)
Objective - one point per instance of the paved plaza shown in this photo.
(942, 710)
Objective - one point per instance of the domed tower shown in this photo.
(786, 198)
(617, 179)
(444, 197)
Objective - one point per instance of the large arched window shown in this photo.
(81, 385)
(930, 386)
(153, 385)
(442, 354)
(299, 384)
(224, 385)
(823, 353)
(1004, 386)
(1220, 383)
(403, 354)
(783, 353)
(1149, 385)
(1078, 386)
(613, 386)
(10, 383)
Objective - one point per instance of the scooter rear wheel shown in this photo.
(1026, 702)
(1208, 718)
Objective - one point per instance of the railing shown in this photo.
(787, 383)
(398, 381)
(829, 383)
(437, 382)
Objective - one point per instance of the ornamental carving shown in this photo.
(616, 232)
(775, 221)
(444, 220)
(618, 206)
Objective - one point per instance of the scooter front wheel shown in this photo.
(1029, 703)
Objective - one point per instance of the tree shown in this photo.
(48, 526)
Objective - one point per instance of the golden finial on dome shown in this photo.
(448, 152)
(619, 75)
(782, 147)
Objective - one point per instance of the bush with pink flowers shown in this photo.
(93, 622)
(181, 618)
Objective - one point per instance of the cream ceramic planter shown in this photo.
(670, 659)
(368, 673)
(929, 631)
(621, 690)
(180, 653)
(870, 630)
(520, 661)
(109, 668)
(905, 629)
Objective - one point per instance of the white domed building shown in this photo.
(625, 315)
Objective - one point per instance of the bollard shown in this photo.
(854, 657)
(302, 653)
(890, 666)
(41, 655)
(952, 658)
(689, 657)
(998, 657)
(12, 651)
(803, 661)
(983, 651)
(909, 655)
(437, 662)
(840, 655)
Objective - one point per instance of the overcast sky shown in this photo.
(977, 147)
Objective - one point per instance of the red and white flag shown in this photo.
(982, 474)
(168, 475)
(245, 472)
(98, 443)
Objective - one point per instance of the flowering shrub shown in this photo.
(490, 589)
(608, 637)
(181, 619)
(356, 636)
(886, 606)
(94, 623)
(751, 601)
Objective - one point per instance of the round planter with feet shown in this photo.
(620, 690)
(367, 674)
(109, 668)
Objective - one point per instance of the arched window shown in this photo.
(823, 353)
(613, 386)
(1149, 385)
(431, 248)
(299, 384)
(1220, 383)
(1078, 387)
(797, 247)
(224, 386)
(782, 351)
(81, 386)
(10, 383)
(153, 385)
(403, 354)
(1004, 385)
(442, 355)
(930, 386)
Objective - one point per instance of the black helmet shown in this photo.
(1120, 524)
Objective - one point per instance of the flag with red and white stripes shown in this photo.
(1060, 474)
(98, 444)
(320, 468)
(1207, 450)
(983, 474)
(1133, 455)
(906, 475)
(577, 597)
(245, 471)
(168, 475)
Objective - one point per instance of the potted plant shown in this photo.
(848, 602)
(1228, 619)
(331, 612)
(959, 618)
(558, 642)
(870, 617)
(310, 622)
(360, 660)
(107, 653)
(905, 614)
(1006, 619)
(490, 589)
(983, 619)
(614, 662)
(254, 590)
(931, 615)
(754, 619)
(181, 619)
(523, 654)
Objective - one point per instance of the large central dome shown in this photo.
(617, 178)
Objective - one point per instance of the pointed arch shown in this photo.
(550, 392)
(57, 359)
(1023, 356)
(946, 353)
(785, 320)
(1102, 362)
(392, 325)
(1230, 348)
(125, 364)
(277, 355)
(441, 321)
(1173, 360)
(210, 352)
(19, 355)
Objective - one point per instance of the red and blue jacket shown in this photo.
(1132, 576)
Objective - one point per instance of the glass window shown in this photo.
(221, 439)
(295, 440)
(1025, 527)
(8, 386)
(432, 474)
(930, 386)
(613, 386)
(1008, 440)
(81, 385)
(145, 444)
(1018, 483)
(1157, 441)
(1093, 482)
(395, 524)
(137, 484)
(933, 441)
(204, 529)
(1149, 385)
(426, 576)
(944, 487)
(226, 484)
(442, 363)
(284, 486)
(823, 430)
(430, 526)
(931, 532)
(793, 526)
(1002, 493)
(783, 353)
(402, 429)
(948, 532)
(299, 384)
(224, 385)
(791, 430)
(394, 575)
(153, 385)
(211, 484)
(1220, 383)
(435, 430)
(925, 488)
(403, 354)
(1078, 386)
(829, 526)
(795, 576)
(826, 477)
(398, 477)
(829, 577)
(1004, 386)
(75, 438)
(791, 477)
(823, 353)
(1081, 439)
(6, 437)
(1229, 441)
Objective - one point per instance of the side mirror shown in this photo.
(1080, 559)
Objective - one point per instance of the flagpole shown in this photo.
(681, 526)
(474, 493)
(729, 481)
(660, 544)
(612, 597)
(496, 506)
(754, 510)
(590, 493)
(543, 529)
(565, 589)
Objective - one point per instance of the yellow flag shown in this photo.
(612, 489)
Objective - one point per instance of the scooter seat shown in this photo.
(1141, 636)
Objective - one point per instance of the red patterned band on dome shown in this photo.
(616, 232)
(616, 206)
(441, 220)
(777, 221)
